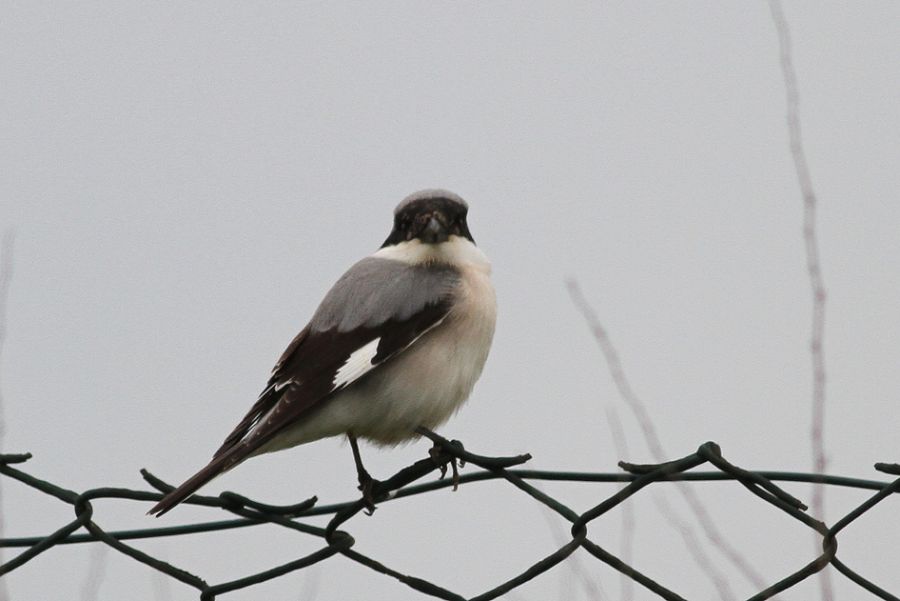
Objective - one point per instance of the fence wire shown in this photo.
(336, 541)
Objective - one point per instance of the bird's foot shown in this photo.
(367, 486)
(435, 453)
(443, 452)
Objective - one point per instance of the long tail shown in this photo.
(214, 468)
(238, 446)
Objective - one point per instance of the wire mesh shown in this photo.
(84, 527)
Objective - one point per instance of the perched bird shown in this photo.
(396, 345)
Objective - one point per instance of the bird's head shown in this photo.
(431, 217)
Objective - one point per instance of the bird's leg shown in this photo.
(435, 452)
(366, 482)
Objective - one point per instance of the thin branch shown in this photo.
(592, 590)
(309, 590)
(639, 409)
(813, 266)
(693, 546)
(96, 573)
(626, 546)
(161, 586)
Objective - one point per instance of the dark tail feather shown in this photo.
(176, 496)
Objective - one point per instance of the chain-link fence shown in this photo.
(339, 541)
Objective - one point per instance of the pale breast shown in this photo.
(427, 383)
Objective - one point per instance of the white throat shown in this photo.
(457, 251)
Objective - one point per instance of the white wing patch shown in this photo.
(276, 386)
(356, 365)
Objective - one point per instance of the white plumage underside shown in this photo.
(425, 384)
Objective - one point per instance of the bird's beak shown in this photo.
(434, 231)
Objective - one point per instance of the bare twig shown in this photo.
(813, 266)
(692, 544)
(626, 547)
(96, 572)
(639, 409)
(161, 586)
(593, 590)
(309, 590)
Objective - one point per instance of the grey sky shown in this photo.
(187, 180)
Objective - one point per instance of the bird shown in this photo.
(396, 346)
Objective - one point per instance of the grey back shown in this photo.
(376, 290)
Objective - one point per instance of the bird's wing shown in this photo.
(376, 310)
(321, 364)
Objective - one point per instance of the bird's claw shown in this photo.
(455, 464)
(367, 486)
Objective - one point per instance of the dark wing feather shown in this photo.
(305, 377)
(267, 397)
